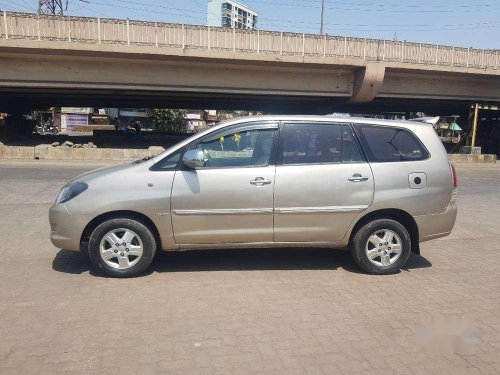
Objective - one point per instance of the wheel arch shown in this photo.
(401, 216)
(122, 214)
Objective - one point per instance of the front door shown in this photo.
(322, 183)
(230, 199)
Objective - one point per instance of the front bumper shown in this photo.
(65, 229)
(436, 225)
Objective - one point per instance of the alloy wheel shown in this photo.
(383, 247)
(121, 248)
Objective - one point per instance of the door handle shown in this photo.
(357, 178)
(259, 181)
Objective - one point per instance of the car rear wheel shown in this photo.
(382, 246)
(122, 247)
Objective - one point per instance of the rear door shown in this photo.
(322, 182)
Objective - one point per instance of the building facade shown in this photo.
(228, 13)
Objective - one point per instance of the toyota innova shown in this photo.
(376, 187)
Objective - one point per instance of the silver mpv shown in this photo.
(377, 187)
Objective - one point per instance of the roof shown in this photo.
(315, 118)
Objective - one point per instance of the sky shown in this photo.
(461, 23)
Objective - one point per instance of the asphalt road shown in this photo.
(247, 311)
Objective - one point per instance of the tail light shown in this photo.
(454, 176)
(454, 182)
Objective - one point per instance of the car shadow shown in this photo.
(236, 260)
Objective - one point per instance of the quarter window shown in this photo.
(169, 162)
(389, 144)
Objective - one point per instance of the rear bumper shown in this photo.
(65, 229)
(436, 225)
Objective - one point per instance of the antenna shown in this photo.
(53, 7)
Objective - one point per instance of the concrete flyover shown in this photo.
(70, 60)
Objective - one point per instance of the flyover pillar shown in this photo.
(367, 82)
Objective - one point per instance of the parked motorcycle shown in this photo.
(46, 128)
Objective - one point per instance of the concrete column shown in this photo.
(69, 30)
(38, 27)
(183, 37)
(5, 24)
(99, 30)
(258, 42)
(281, 43)
(367, 82)
(234, 39)
(474, 124)
(128, 32)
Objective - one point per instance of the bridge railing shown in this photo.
(15, 25)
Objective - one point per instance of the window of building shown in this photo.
(390, 144)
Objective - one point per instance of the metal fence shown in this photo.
(15, 25)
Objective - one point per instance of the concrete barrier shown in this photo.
(473, 158)
(17, 152)
(47, 152)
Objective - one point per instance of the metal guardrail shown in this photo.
(14, 25)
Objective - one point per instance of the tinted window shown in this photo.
(351, 152)
(388, 144)
(238, 148)
(319, 143)
(311, 143)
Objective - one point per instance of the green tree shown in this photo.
(168, 120)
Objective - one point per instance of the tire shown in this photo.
(385, 257)
(133, 255)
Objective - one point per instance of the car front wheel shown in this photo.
(382, 246)
(122, 247)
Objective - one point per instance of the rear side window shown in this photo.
(389, 144)
(319, 143)
(350, 148)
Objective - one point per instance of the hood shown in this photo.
(106, 171)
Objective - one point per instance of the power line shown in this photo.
(275, 20)
(17, 7)
(411, 8)
(337, 26)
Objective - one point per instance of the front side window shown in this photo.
(389, 144)
(238, 148)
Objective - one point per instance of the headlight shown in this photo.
(70, 191)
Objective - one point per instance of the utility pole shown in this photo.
(53, 7)
(322, 16)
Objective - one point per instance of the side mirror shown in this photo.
(194, 159)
